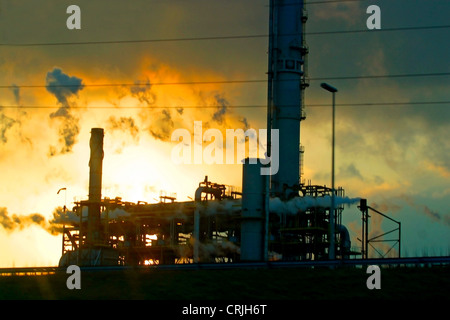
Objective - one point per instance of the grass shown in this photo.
(233, 284)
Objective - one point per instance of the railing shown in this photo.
(399, 262)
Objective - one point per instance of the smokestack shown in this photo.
(95, 186)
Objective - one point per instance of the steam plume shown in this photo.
(16, 91)
(64, 87)
(162, 126)
(229, 206)
(118, 213)
(392, 205)
(432, 214)
(219, 115)
(5, 124)
(210, 250)
(124, 124)
(142, 91)
(16, 222)
(303, 203)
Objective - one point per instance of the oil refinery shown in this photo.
(275, 217)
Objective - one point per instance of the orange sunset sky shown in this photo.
(392, 132)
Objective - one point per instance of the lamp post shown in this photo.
(64, 211)
(65, 197)
(331, 252)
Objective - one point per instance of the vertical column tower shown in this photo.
(253, 214)
(285, 85)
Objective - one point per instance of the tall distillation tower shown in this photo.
(287, 53)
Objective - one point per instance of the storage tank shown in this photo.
(253, 213)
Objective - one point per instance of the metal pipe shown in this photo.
(366, 249)
(333, 194)
(331, 252)
(196, 233)
(345, 242)
(267, 179)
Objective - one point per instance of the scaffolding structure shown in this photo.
(163, 233)
(160, 233)
(379, 238)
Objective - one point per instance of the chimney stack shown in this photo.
(94, 235)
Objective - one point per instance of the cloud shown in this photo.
(441, 170)
(350, 171)
(345, 12)
(386, 206)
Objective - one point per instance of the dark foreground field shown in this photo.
(234, 284)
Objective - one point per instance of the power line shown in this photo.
(331, 1)
(383, 76)
(367, 104)
(407, 75)
(317, 2)
(236, 37)
(379, 30)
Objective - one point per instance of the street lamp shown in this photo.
(331, 253)
(64, 211)
(65, 197)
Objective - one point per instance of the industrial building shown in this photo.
(222, 225)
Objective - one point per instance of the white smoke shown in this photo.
(294, 205)
(209, 250)
(276, 205)
(117, 213)
(223, 206)
(218, 249)
(61, 216)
